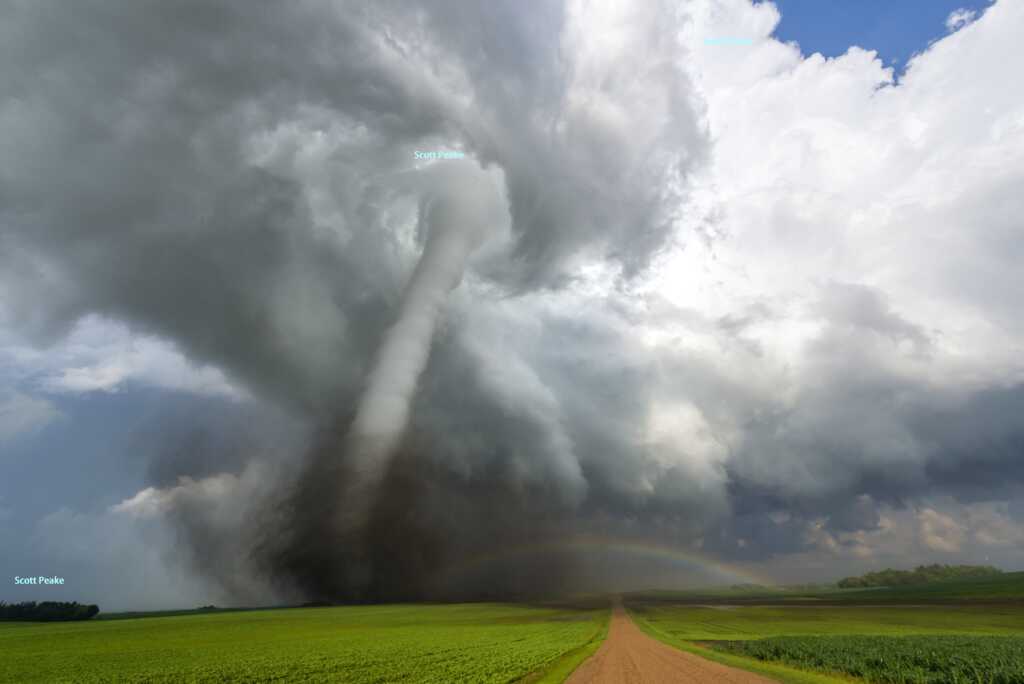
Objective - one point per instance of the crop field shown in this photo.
(727, 622)
(896, 660)
(899, 643)
(1005, 588)
(423, 643)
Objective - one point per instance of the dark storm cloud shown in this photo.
(135, 200)
(200, 439)
(163, 178)
(239, 178)
(863, 432)
(135, 193)
(976, 446)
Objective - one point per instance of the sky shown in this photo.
(895, 30)
(715, 293)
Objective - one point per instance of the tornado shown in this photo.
(325, 541)
(461, 209)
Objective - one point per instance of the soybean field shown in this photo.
(896, 660)
(393, 643)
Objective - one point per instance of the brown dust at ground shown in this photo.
(628, 656)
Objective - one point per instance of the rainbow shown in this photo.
(632, 548)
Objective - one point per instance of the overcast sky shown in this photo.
(739, 298)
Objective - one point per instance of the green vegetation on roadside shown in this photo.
(922, 574)
(896, 660)
(422, 643)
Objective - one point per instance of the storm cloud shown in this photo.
(729, 299)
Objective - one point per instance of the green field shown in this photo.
(923, 644)
(957, 631)
(896, 660)
(713, 623)
(1005, 588)
(933, 633)
(422, 643)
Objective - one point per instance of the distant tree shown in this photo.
(47, 611)
(922, 574)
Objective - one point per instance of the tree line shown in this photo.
(47, 611)
(919, 575)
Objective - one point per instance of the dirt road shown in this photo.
(628, 656)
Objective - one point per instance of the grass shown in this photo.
(897, 660)
(423, 643)
(132, 615)
(714, 623)
(1005, 588)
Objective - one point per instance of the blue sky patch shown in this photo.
(896, 30)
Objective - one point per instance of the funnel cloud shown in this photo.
(455, 223)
